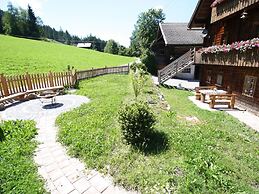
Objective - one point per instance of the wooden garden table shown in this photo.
(209, 92)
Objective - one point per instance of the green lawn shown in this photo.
(18, 172)
(18, 55)
(216, 154)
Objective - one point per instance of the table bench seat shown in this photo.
(197, 90)
(222, 99)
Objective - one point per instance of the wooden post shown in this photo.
(92, 71)
(28, 80)
(51, 79)
(159, 76)
(74, 78)
(5, 86)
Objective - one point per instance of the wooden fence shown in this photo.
(21, 83)
(85, 74)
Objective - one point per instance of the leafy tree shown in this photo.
(111, 47)
(32, 23)
(9, 20)
(143, 36)
(146, 28)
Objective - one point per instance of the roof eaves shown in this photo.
(194, 13)
(160, 25)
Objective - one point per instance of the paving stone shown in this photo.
(99, 183)
(74, 192)
(90, 173)
(64, 163)
(76, 176)
(55, 174)
(91, 190)
(51, 167)
(63, 185)
(82, 185)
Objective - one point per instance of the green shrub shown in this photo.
(134, 66)
(136, 121)
(149, 60)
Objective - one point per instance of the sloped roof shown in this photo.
(84, 45)
(179, 34)
(201, 14)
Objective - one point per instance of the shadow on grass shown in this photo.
(157, 142)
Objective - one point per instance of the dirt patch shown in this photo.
(192, 119)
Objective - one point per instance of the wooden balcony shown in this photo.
(249, 58)
(228, 8)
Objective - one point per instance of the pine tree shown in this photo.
(1, 23)
(32, 23)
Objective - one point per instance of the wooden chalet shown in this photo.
(172, 41)
(230, 59)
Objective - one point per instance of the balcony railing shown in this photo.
(249, 58)
(228, 8)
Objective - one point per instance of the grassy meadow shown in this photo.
(18, 55)
(213, 153)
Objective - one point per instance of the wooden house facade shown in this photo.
(172, 41)
(230, 57)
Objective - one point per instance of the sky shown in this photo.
(106, 19)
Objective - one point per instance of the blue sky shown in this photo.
(107, 19)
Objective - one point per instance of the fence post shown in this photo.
(5, 86)
(128, 68)
(159, 76)
(51, 79)
(74, 78)
(28, 79)
(92, 72)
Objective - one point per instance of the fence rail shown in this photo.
(21, 83)
(85, 74)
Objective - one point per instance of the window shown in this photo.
(219, 79)
(208, 78)
(186, 70)
(249, 86)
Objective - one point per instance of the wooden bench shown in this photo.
(197, 90)
(55, 88)
(21, 95)
(4, 100)
(222, 99)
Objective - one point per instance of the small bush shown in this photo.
(135, 66)
(149, 60)
(137, 121)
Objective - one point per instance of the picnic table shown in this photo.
(210, 92)
(48, 95)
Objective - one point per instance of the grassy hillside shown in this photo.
(18, 55)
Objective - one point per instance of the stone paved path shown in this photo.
(246, 117)
(63, 174)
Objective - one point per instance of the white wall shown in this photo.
(188, 76)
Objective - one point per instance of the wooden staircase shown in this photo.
(176, 66)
